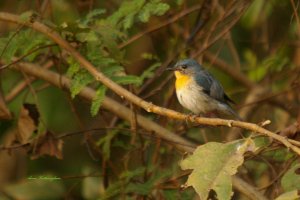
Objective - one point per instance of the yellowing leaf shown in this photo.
(35, 189)
(213, 165)
(292, 195)
(291, 179)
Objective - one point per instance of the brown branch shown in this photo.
(27, 54)
(235, 74)
(108, 103)
(208, 41)
(250, 191)
(22, 85)
(245, 81)
(149, 107)
(124, 113)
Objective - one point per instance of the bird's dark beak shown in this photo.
(170, 69)
(173, 68)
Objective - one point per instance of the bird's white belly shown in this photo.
(196, 100)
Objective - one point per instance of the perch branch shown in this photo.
(108, 103)
(149, 107)
(125, 113)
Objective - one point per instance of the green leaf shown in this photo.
(258, 73)
(92, 15)
(146, 187)
(128, 79)
(105, 142)
(22, 43)
(90, 36)
(132, 11)
(291, 179)
(250, 58)
(213, 165)
(127, 175)
(114, 189)
(149, 72)
(98, 99)
(112, 70)
(154, 7)
(79, 81)
(291, 195)
(26, 16)
(74, 67)
(79, 77)
(149, 56)
(124, 16)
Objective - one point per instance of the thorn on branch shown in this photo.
(149, 108)
(229, 124)
(264, 123)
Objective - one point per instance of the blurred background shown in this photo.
(251, 47)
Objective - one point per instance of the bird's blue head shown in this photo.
(187, 67)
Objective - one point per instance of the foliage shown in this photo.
(291, 179)
(131, 42)
(213, 166)
(291, 195)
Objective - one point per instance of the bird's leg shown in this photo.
(190, 118)
(212, 114)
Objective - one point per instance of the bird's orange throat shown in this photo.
(181, 80)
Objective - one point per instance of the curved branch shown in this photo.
(149, 107)
(108, 103)
(250, 192)
(125, 113)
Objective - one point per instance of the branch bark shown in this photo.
(108, 103)
(149, 107)
(125, 113)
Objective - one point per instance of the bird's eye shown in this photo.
(183, 66)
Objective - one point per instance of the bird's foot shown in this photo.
(191, 117)
(212, 114)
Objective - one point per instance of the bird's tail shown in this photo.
(231, 112)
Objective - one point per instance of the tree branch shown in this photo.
(125, 113)
(108, 103)
(149, 107)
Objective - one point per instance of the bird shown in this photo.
(198, 91)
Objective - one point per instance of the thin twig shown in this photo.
(156, 27)
(27, 54)
(108, 103)
(10, 39)
(22, 85)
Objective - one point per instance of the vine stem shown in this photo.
(122, 92)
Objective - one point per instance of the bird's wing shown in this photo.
(212, 87)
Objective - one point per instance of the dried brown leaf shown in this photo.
(47, 144)
(26, 126)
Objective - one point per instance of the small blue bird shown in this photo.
(198, 91)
